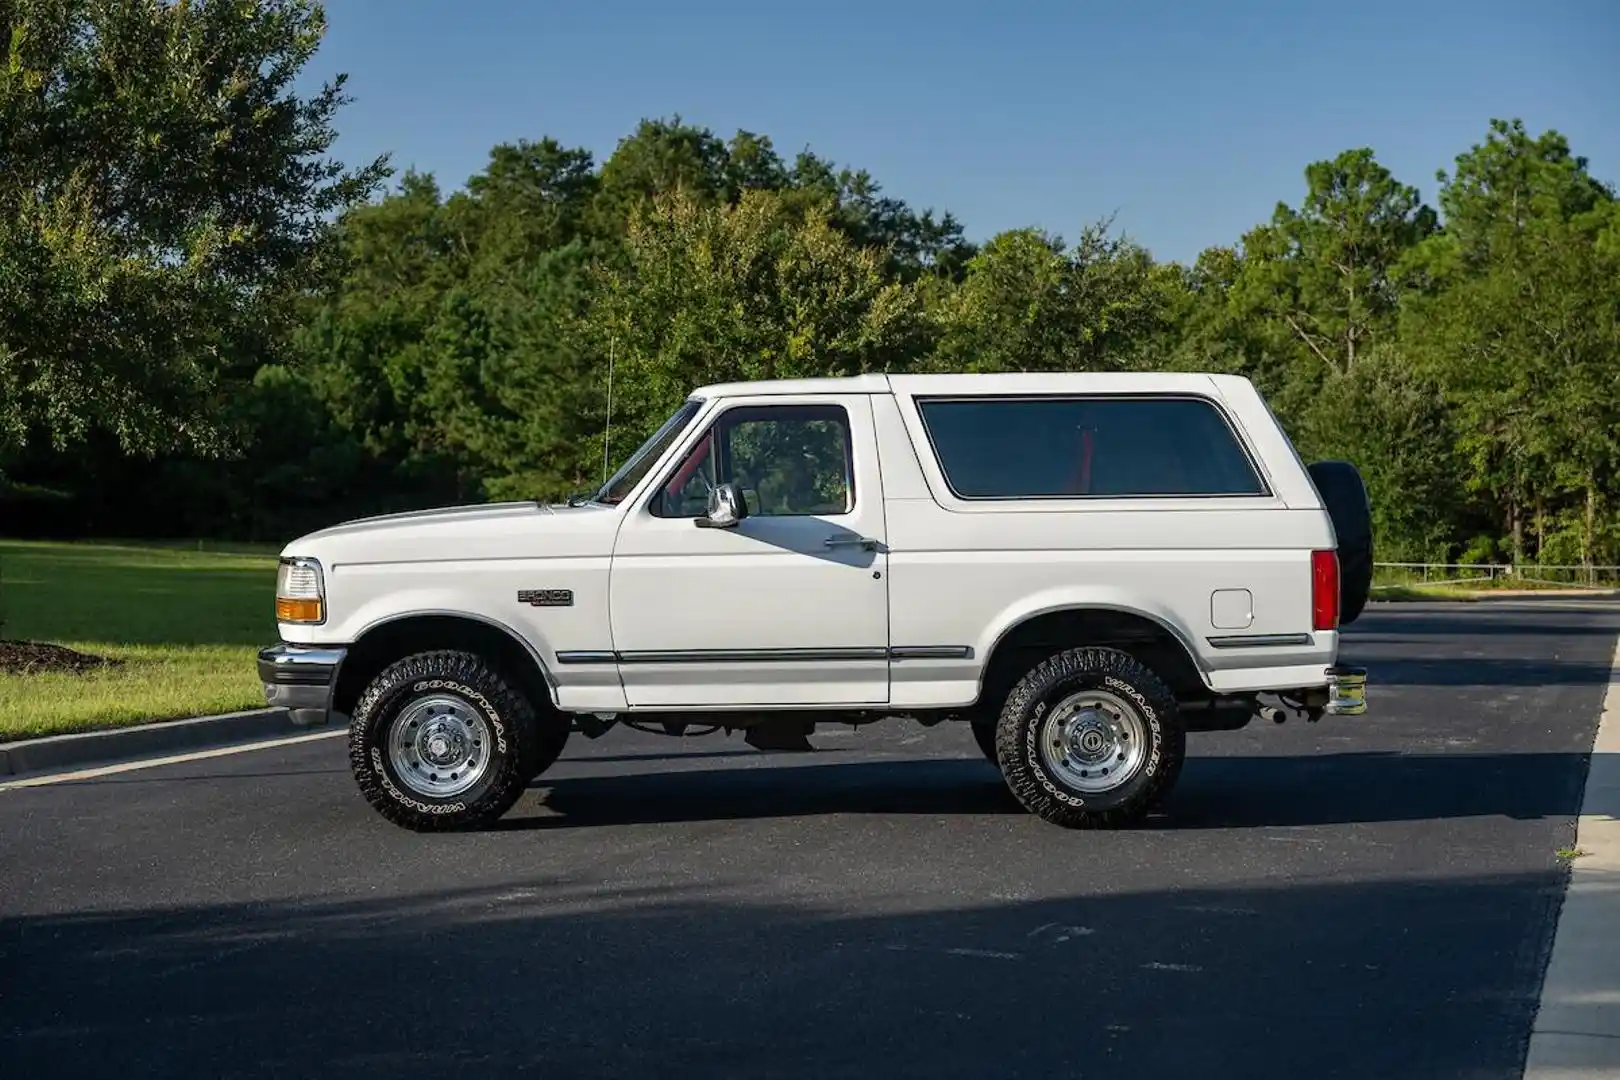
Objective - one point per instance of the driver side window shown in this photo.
(789, 461)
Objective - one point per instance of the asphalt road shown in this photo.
(1369, 897)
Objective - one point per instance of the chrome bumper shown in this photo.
(300, 679)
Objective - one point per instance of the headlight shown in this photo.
(300, 592)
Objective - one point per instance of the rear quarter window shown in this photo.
(1034, 448)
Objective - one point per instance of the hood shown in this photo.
(469, 512)
(480, 531)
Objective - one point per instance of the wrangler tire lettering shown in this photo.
(1019, 726)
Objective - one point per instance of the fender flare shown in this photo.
(1015, 615)
(517, 638)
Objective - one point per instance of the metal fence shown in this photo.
(1496, 575)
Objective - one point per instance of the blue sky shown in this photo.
(1187, 122)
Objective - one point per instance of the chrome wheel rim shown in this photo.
(1093, 741)
(439, 746)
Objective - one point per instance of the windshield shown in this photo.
(630, 473)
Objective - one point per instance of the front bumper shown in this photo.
(300, 679)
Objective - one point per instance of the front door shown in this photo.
(789, 607)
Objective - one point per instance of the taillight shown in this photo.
(1324, 590)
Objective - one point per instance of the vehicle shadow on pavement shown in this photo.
(1403, 979)
(928, 786)
(1213, 792)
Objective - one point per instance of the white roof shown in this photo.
(1001, 382)
(850, 384)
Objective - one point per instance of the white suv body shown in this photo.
(872, 544)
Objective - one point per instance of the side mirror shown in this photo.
(726, 508)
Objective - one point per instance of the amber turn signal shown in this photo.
(296, 611)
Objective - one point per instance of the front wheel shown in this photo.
(443, 740)
(1090, 738)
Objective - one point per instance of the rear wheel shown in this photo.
(1090, 738)
(444, 740)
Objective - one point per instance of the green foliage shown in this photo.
(485, 343)
(163, 199)
(1392, 423)
(1027, 303)
(762, 289)
(1514, 312)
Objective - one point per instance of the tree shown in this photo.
(1029, 303)
(163, 200)
(530, 198)
(363, 341)
(915, 244)
(670, 156)
(1325, 273)
(1218, 333)
(1512, 311)
(1393, 424)
(766, 288)
(541, 435)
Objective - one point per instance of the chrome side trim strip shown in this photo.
(587, 657)
(763, 656)
(749, 656)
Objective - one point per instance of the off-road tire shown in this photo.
(515, 748)
(984, 733)
(1041, 791)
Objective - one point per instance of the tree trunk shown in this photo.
(1591, 526)
(1518, 513)
(1516, 523)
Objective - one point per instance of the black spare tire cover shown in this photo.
(1345, 496)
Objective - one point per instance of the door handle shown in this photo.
(863, 542)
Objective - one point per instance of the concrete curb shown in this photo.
(1577, 1028)
(142, 740)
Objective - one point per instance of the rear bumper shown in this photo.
(1347, 691)
(1334, 690)
(300, 679)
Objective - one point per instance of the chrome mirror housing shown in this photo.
(726, 508)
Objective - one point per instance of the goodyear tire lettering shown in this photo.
(519, 741)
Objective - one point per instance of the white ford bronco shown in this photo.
(1083, 567)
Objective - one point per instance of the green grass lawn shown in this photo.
(186, 622)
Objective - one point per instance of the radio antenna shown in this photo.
(607, 431)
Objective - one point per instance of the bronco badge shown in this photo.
(546, 597)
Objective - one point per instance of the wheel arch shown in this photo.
(388, 639)
(1153, 638)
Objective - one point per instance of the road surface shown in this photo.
(1364, 897)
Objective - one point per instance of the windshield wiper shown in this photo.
(581, 498)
